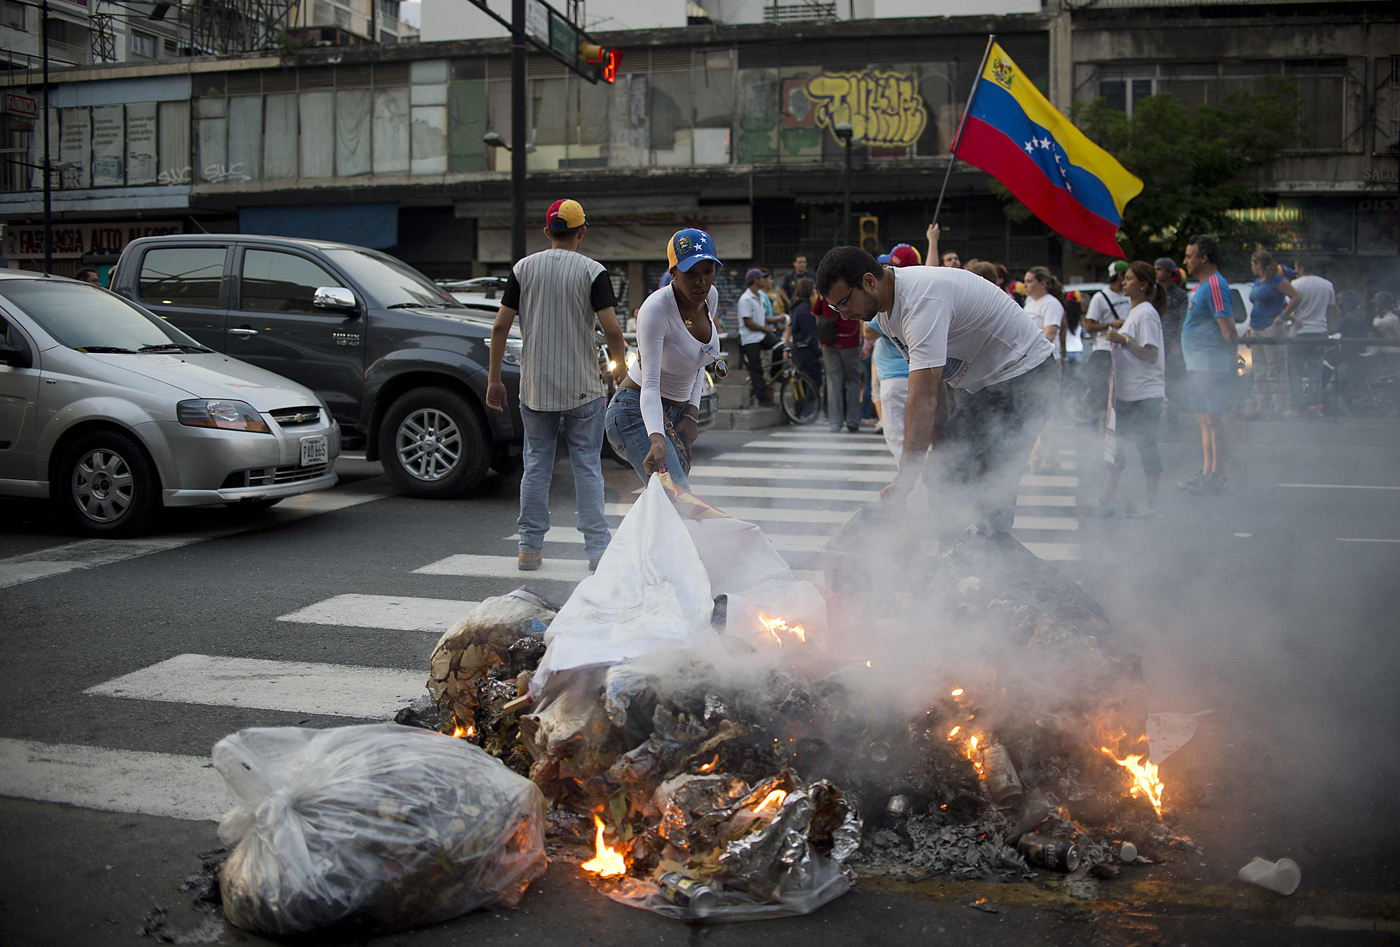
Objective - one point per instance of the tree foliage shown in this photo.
(1196, 165)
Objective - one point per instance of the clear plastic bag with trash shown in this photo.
(380, 824)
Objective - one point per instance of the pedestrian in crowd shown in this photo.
(798, 274)
(1268, 296)
(1139, 387)
(890, 368)
(1004, 278)
(1312, 312)
(982, 268)
(840, 339)
(1172, 318)
(802, 333)
(1387, 320)
(756, 335)
(1045, 304)
(89, 275)
(559, 295)
(1107, 310)
(954, 328)
(1208, 342)
(656, 409)
(1074, 332)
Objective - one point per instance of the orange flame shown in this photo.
(974, 754)
(954, 732)
(710, 765)
(957, 692)
(462, 733)
(1144, 774)
(775, 625)
(773, 799)
(606, 862)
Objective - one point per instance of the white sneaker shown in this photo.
(1141, 509)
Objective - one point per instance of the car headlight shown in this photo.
(514, 348)
(224, 415)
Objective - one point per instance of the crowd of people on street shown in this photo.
(967, 374)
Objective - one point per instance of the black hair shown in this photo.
(1206, 246)
(565, 234)
(83, 273)
(1308, 263)
(847, 264)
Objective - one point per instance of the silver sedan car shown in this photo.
(113, 413)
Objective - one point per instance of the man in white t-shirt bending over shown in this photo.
(955, 328)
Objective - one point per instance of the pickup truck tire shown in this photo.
(107, 486)
(433, 445)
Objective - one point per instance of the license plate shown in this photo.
(313, 450)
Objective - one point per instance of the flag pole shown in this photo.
(962, 123)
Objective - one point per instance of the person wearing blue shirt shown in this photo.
(1268, 297)
(1208, 341)
(893, 371)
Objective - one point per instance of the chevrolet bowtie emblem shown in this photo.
(298, 419)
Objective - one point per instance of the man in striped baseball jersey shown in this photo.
(559, 294)
(1208, 341)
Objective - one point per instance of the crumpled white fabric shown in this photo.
(736, 554)
(651, 592)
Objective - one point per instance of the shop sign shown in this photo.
(72, 240)
(20, 105)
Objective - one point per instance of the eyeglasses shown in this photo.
(838, 307)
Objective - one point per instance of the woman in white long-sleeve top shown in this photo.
(655, 412)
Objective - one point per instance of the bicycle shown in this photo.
(799, 394)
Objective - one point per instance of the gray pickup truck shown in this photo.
(400, 363)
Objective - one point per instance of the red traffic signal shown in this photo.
(605, 61)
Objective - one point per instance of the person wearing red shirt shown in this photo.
(840, 341)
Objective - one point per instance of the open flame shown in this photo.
(773, 800)
(1144, 773)
(775, 625)
(957, 692)
(464, 733)
(954, 732)
(975, 755)
(606, 862)
(710, 765)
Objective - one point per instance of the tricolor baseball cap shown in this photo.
(905, 255)
(564, 215)
(688, 247)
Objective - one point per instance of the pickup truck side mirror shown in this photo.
(334, 298)
(14, 355)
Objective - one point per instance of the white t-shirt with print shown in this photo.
(948, 318)
(1133, 378)
(1046, 311)
(1107, 306)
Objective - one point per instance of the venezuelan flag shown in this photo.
(1014, 134)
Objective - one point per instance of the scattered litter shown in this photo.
(1282, 876)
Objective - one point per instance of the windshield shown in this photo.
(87, 318)
(390, 282)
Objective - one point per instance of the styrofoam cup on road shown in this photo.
(1282, 876)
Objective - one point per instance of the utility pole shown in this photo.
(844, 133)
(517, 131)
(48, 177)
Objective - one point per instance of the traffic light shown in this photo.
(603, 60)
(869, 235)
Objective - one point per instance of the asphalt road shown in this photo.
(126, 662)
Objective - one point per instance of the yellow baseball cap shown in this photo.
(564, 215)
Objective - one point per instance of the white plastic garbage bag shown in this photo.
(651, 592)
(390, 825)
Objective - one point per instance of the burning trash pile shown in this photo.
(726, 740)
(732, 742)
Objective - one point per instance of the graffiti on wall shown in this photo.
(882, 107)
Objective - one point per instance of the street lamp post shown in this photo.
(48, 176)
(517, 131)
(844, 134)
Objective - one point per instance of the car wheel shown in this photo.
(107, 485)
(433, 445)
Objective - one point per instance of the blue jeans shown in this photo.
(626, 427)
(583, 433)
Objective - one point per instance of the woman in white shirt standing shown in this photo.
(1139, 386)
(655, 412)
(1045, 304)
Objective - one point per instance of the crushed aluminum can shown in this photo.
(688, 893)
(1046, 852)
(897, 807)
(1002, 782)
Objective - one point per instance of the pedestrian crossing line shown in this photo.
(820, 461)
(387, 612)
(167, 785)
(819, 434)
(782, 543)
(504, 567)
(1047, 480)
(336, 690)
(718, 471)
(92, 553)
(1052, 500)
(743, 492)
(1055, 552)
(1046, 522)
(758, 514)
(816, 444)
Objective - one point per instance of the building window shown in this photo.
(387, 38)
(323, 15)
(342, 18)
(1121, 94)
(12, 14)
(389, 8)
(143, 45)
